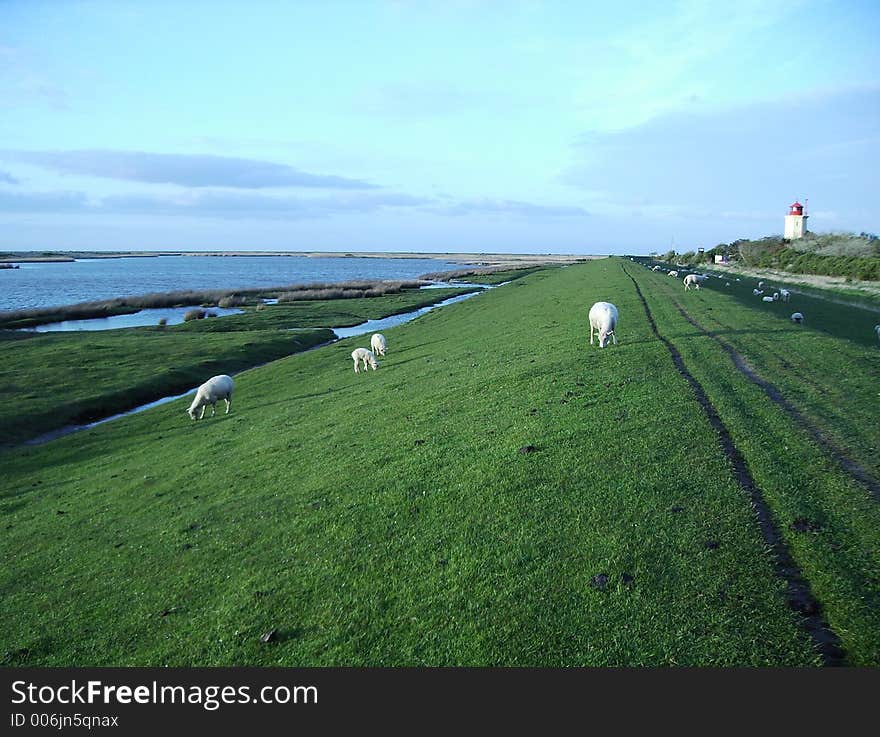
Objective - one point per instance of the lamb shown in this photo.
(797, 317)
(603, 319)
(214, 389)
(767, 299)
(362, 354)
(693, 280)
(378, 344)
(784, 294)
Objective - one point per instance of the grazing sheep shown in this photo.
(775, 296)
(215, 388)
(797, 317)
(760, 284)
(693, 280)
(877, 330)
(757, 292)
(656, 268)
(362, 354)
(673, 273)
(378, 344)
(784, 294)
(603, 318)
(767, 299)
(727, 284)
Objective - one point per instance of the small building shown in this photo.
(795, 222)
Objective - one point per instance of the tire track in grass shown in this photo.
(836, 453)
(798, 594)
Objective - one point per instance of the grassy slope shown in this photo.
(799, 480)
(49, 380)
(388, 518)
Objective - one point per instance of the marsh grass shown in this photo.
(13, 319)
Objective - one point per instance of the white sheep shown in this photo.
(760, 284)
(877, 330)
(656, 268)
(784, 294)
(378, 344)
(603, 319)
(767, 299)
(775, 296)
(673, 273)
(757, 292)
(214, 389)
(797, 317)
(693, 280)
(727, 284)
(362, 354)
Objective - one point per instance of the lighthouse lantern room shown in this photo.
(795, 222)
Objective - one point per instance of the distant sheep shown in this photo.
(877, 330)
(797, 317)
(760, 284)
(757, 292)
(362, 354)
(603, 319)
(378, 344)
(656, 268)
(673, 273)
(775, 296)
(767, 299)
(784, 294)
(727, 284)
(214, 389)
(693, 280)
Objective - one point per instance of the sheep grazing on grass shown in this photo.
(877, 330)
(362, 354)
(767, 299)
(797, 317)
(673, 273)
(760, 284)
(656, 268)
(784, 294)
(378, 344)
(603, 319)
(214, 389)
(693, 280)
(757, 292)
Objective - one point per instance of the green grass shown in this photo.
(390, 519)
(49, 380)
(799, 479)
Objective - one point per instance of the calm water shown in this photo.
(51, 284)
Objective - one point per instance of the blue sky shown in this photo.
(461, 125)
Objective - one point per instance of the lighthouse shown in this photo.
(795, 222)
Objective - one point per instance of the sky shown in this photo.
(523, 126)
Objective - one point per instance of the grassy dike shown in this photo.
(830, 522)
(395, 518)
(49, 380)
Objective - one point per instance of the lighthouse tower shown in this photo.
(795, 222)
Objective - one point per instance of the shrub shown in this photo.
(163, 321)
(194, 315)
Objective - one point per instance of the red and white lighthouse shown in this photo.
(795, 221)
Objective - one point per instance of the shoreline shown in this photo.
(476, 259)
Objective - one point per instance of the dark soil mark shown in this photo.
(798, 594)
(776, 396)
(599, 581)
